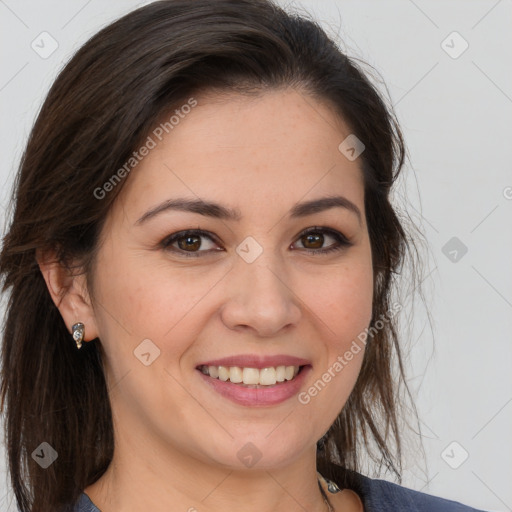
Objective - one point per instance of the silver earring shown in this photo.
(332, 487)
(78, 333)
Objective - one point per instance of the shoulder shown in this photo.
(84, 504)
(382, 496)
(377, 495)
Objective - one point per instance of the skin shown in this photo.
(176, 439)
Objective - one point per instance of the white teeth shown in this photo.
(235, 374)
(223, 373)
(252, 376)
(268, 376)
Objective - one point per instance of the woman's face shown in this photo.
(250, 287)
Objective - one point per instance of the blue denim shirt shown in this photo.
(376, 495)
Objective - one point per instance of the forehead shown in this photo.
(245, 152)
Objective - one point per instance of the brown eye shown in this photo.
(311, 241)
(314, 238)
(188, 243)
(192, 242)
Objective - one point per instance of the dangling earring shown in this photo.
(332, 487)
(78, 333)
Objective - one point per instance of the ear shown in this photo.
(69, 293)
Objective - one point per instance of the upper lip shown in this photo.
(257, 361)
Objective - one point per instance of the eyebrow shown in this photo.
(217, 211)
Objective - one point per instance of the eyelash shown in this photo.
(341, 241)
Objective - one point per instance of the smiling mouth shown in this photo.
(252, 377)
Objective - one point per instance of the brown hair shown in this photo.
(99, 109)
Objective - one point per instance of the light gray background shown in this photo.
(456, 117)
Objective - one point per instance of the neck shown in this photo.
(159, 484)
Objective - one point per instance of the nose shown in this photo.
(260, 298)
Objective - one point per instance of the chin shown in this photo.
(256, 452)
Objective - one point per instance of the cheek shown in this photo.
(140, 294)
(342, 299)
(345, 310)
(352, 309)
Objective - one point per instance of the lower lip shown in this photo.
(258, 396)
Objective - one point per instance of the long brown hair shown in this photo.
(101, 106)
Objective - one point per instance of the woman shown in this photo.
(200, 264)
